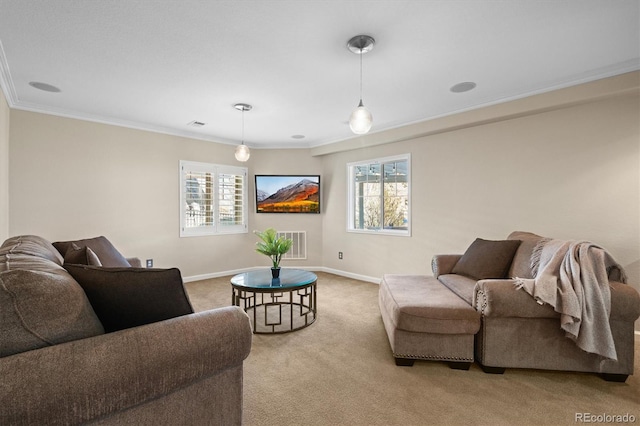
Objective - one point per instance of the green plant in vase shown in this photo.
(274, 247)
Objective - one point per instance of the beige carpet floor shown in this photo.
(340, 371)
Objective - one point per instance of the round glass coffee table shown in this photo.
(276, 305)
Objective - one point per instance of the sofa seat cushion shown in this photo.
(459, 284)
(39, 309)
(107, 254)
(130, 297)
(487, 259)
(421, 304)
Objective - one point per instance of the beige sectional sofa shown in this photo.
(515, 329)
(145, 363)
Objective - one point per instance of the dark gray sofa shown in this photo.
(58, 366)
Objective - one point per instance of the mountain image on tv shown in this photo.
(261, 195)
(288, 194)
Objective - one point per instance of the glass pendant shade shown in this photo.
(361, 120)
(242, 153)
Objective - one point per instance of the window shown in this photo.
(213, 199)
(379, 196)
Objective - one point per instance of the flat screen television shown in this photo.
(288, 193)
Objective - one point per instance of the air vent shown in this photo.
(298, 248)
(196, 123)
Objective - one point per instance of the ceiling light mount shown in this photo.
(361, 119)
(361, 44)
(243, 107)
(242, 151)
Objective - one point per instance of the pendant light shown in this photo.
(361, 119)
(242, 151)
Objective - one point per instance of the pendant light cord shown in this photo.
(360, 75)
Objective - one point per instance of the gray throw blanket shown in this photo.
(573, 277)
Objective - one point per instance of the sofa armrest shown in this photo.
(625, 301)
(92, 378)
(442, 264)
(501, 298)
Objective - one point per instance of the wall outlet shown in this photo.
(149, 263)
(340, 255)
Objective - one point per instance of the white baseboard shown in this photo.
(375, 280)
(239, 271)
(207, 276)
(216, 275)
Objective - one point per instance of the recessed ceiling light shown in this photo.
(297, 137)
(463, 87)
(44, 86)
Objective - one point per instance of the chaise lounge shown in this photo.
(515, 329)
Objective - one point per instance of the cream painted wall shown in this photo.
(4, 167)
(289, 162)
(74, 179)
(567, 173)
(572, 173)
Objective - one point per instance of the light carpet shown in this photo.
(340, 371)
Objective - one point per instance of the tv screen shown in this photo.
(288, 193)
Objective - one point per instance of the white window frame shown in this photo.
(215, 228)
(351, 196)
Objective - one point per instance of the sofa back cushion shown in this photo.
(105, 252)
(29, 252)
(521, 265)
(39, 309)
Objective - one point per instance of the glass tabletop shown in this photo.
(262, 278)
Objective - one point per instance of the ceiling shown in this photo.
(160, 65)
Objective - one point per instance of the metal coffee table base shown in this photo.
(276, 310)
